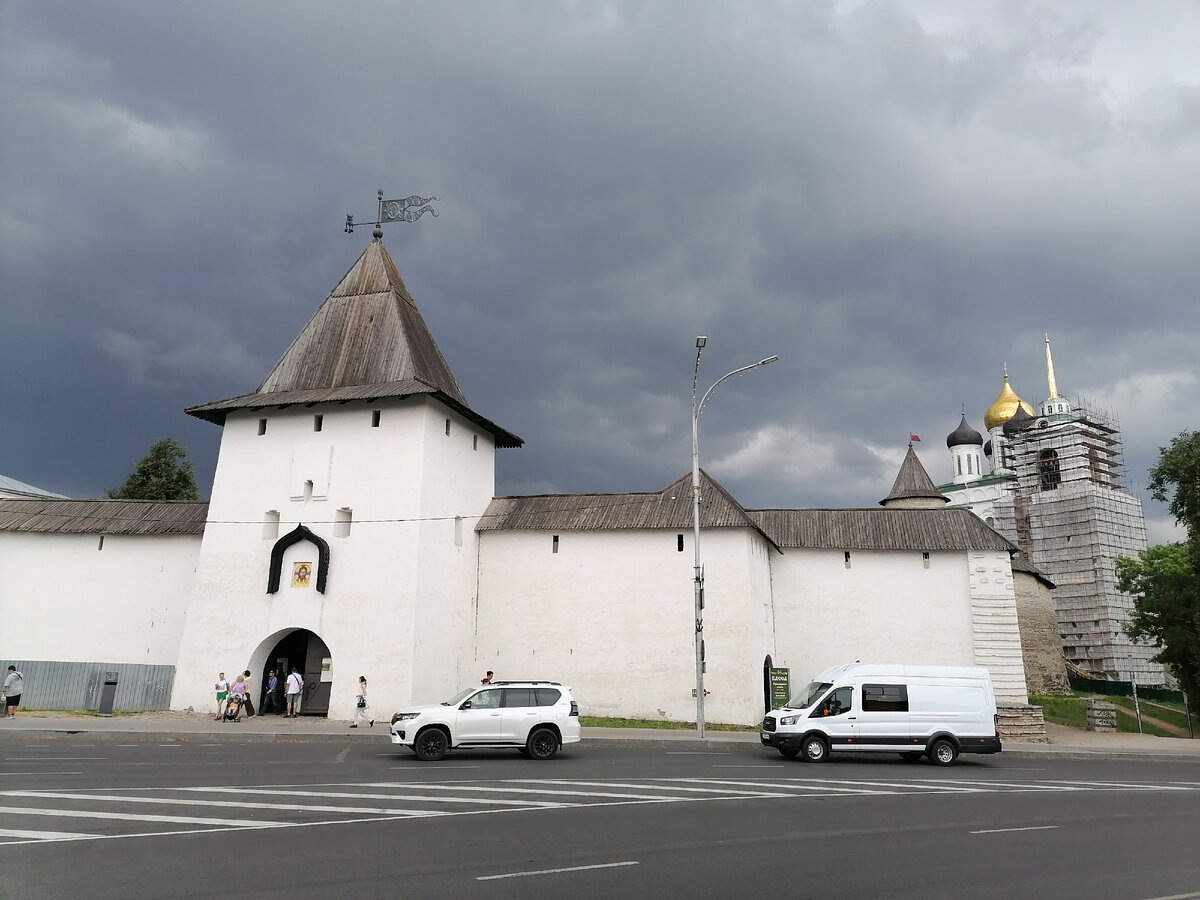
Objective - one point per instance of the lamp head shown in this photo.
(769, 359)
(700, 342)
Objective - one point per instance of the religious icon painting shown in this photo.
(301, 573)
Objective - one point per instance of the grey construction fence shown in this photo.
(50, 684)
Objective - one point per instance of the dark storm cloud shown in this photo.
(897, 198)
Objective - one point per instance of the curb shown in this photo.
(678, 745)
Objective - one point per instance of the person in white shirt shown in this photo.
(14, 684)
(222, 687)
(295, 685)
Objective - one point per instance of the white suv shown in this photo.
(537, 717)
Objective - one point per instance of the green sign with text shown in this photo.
(780, 687)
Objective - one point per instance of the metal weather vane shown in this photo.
(406, 209)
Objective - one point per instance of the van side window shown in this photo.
(836, 704)
(885, 698)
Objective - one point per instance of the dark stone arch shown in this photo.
(295, 536)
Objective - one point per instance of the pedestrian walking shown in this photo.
(360, 704)
(246, 697)
(222, 687)
(14, 684)
(295, 684)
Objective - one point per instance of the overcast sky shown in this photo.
(897, 198)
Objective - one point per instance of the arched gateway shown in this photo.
(309, 654)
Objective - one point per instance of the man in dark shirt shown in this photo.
(271, 702)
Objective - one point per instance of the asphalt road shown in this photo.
(148, 818)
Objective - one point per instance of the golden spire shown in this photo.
(1005, 406)
(1050, 372)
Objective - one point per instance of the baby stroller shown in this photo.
(233, 707)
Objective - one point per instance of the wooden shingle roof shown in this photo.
(366, 341)
(670, 508)
(913, 482)
(878, 529)
(103, 516)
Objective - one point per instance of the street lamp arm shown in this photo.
(704, 399)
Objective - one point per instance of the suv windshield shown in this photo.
(810, 694)
(459, 697)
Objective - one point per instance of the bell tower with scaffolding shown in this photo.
(1057, 490)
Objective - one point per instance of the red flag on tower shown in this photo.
(913, 437)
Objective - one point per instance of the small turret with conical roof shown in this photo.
(913, 488)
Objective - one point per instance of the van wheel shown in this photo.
(911, 755)
(542, 743)
(943, 752)
(814, 749)
(788, 752)
(431, 744)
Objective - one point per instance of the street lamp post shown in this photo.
(698, 408)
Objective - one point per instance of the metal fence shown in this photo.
(50, 684)
(1122, 689)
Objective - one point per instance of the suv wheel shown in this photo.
(431, 744)
(542, 743)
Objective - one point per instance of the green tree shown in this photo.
(163, 474)
(1165, 580)
(1166, 609)
(1175, 480)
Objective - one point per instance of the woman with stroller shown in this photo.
(241, 691)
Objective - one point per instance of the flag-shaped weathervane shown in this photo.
(407, 209)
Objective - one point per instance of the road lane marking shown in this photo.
(131, 817)
(659, 786)
(522, 790)
(235, 804)
(1027, 828)
(40, 773)
(42, 835)
(557, 871)
(351, 795)
(55, 759)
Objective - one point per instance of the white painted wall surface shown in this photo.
(612, 615)
(887, 608)
(64, 597)
(399, 562)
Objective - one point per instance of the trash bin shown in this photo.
(108, 694)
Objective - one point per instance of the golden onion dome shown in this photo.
(1004, 407)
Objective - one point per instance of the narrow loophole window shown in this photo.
(262, 426)
(374, 418)
(458, 531)
(318, 423)
(342, 520)
(554, 544)
(679, 542)
(308, 490)
(847, 555)
(925, 559)
(447, 426)
(270, 527)
(100, 546)
(474, 442)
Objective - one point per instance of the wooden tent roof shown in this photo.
(366, 341)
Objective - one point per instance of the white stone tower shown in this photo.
(341, 529)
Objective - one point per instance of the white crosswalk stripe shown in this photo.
(330, 804)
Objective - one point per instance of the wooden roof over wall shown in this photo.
(103, 516)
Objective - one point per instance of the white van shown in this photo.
(934, 711)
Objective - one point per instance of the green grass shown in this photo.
(605, 722)
(1070, 710)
